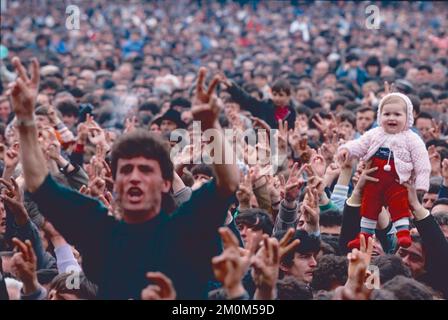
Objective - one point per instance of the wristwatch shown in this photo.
(25, 123)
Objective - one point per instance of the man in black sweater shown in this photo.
(118, 254)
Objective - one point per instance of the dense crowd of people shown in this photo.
(107, 193)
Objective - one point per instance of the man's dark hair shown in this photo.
(352, 106)
(442, 217)
(68, 108)
(260, 74)
(330, 273)
(326, 248)
(440, 201)
(330, 218)
(299, 60)
(308, 244)
(437, 143)
(141, 143)
(87, 290)
(41, 111)
(408, 289)
(351, 57)
(425, 67)
(312, 104)
(415, 100)
(41, 36)
(443, 95)
(424, 115)
(364, 109)
(204, 169)
(348, 116)
(391, 266)
(304, 110)
(289, 288)
(433, 188)
(282, 85)
(149, 106)
(49, 84)
(427, 95)
(256, 219)
(76, 92)
(333, 241)
(340, 101)
(180, 102)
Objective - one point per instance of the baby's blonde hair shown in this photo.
(392, 99)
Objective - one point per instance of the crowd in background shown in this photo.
(312, 70)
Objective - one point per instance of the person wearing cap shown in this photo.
(170, 121)
(399, 154)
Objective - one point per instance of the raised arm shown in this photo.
(245, 100)
(23, 92)
(357, 148)
(206, 107)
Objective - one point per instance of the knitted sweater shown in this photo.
(410, 155)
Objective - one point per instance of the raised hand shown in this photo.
(12, 198)
(163, 289)
(310, 210)
(331, 173)
(53, 116)
(207, 112)
(285, 244)
(83, 133)
(435, 160)
(24, 264)
(54, 150)
(295, 135)
(11, 159)
(265, 268)
(130, 124)
(244, 192)
(97, 136)
(364, 176)
(232, 264)
(294, 184)
(389, 88)
(185, 157)
(325, 127)
(435, 130)
(23, 91)
(259, 123)
(359, 260)
(97, 187)
(445, 172)
(203, 96)
(282, 137)
(224, 81)
(318, 164)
